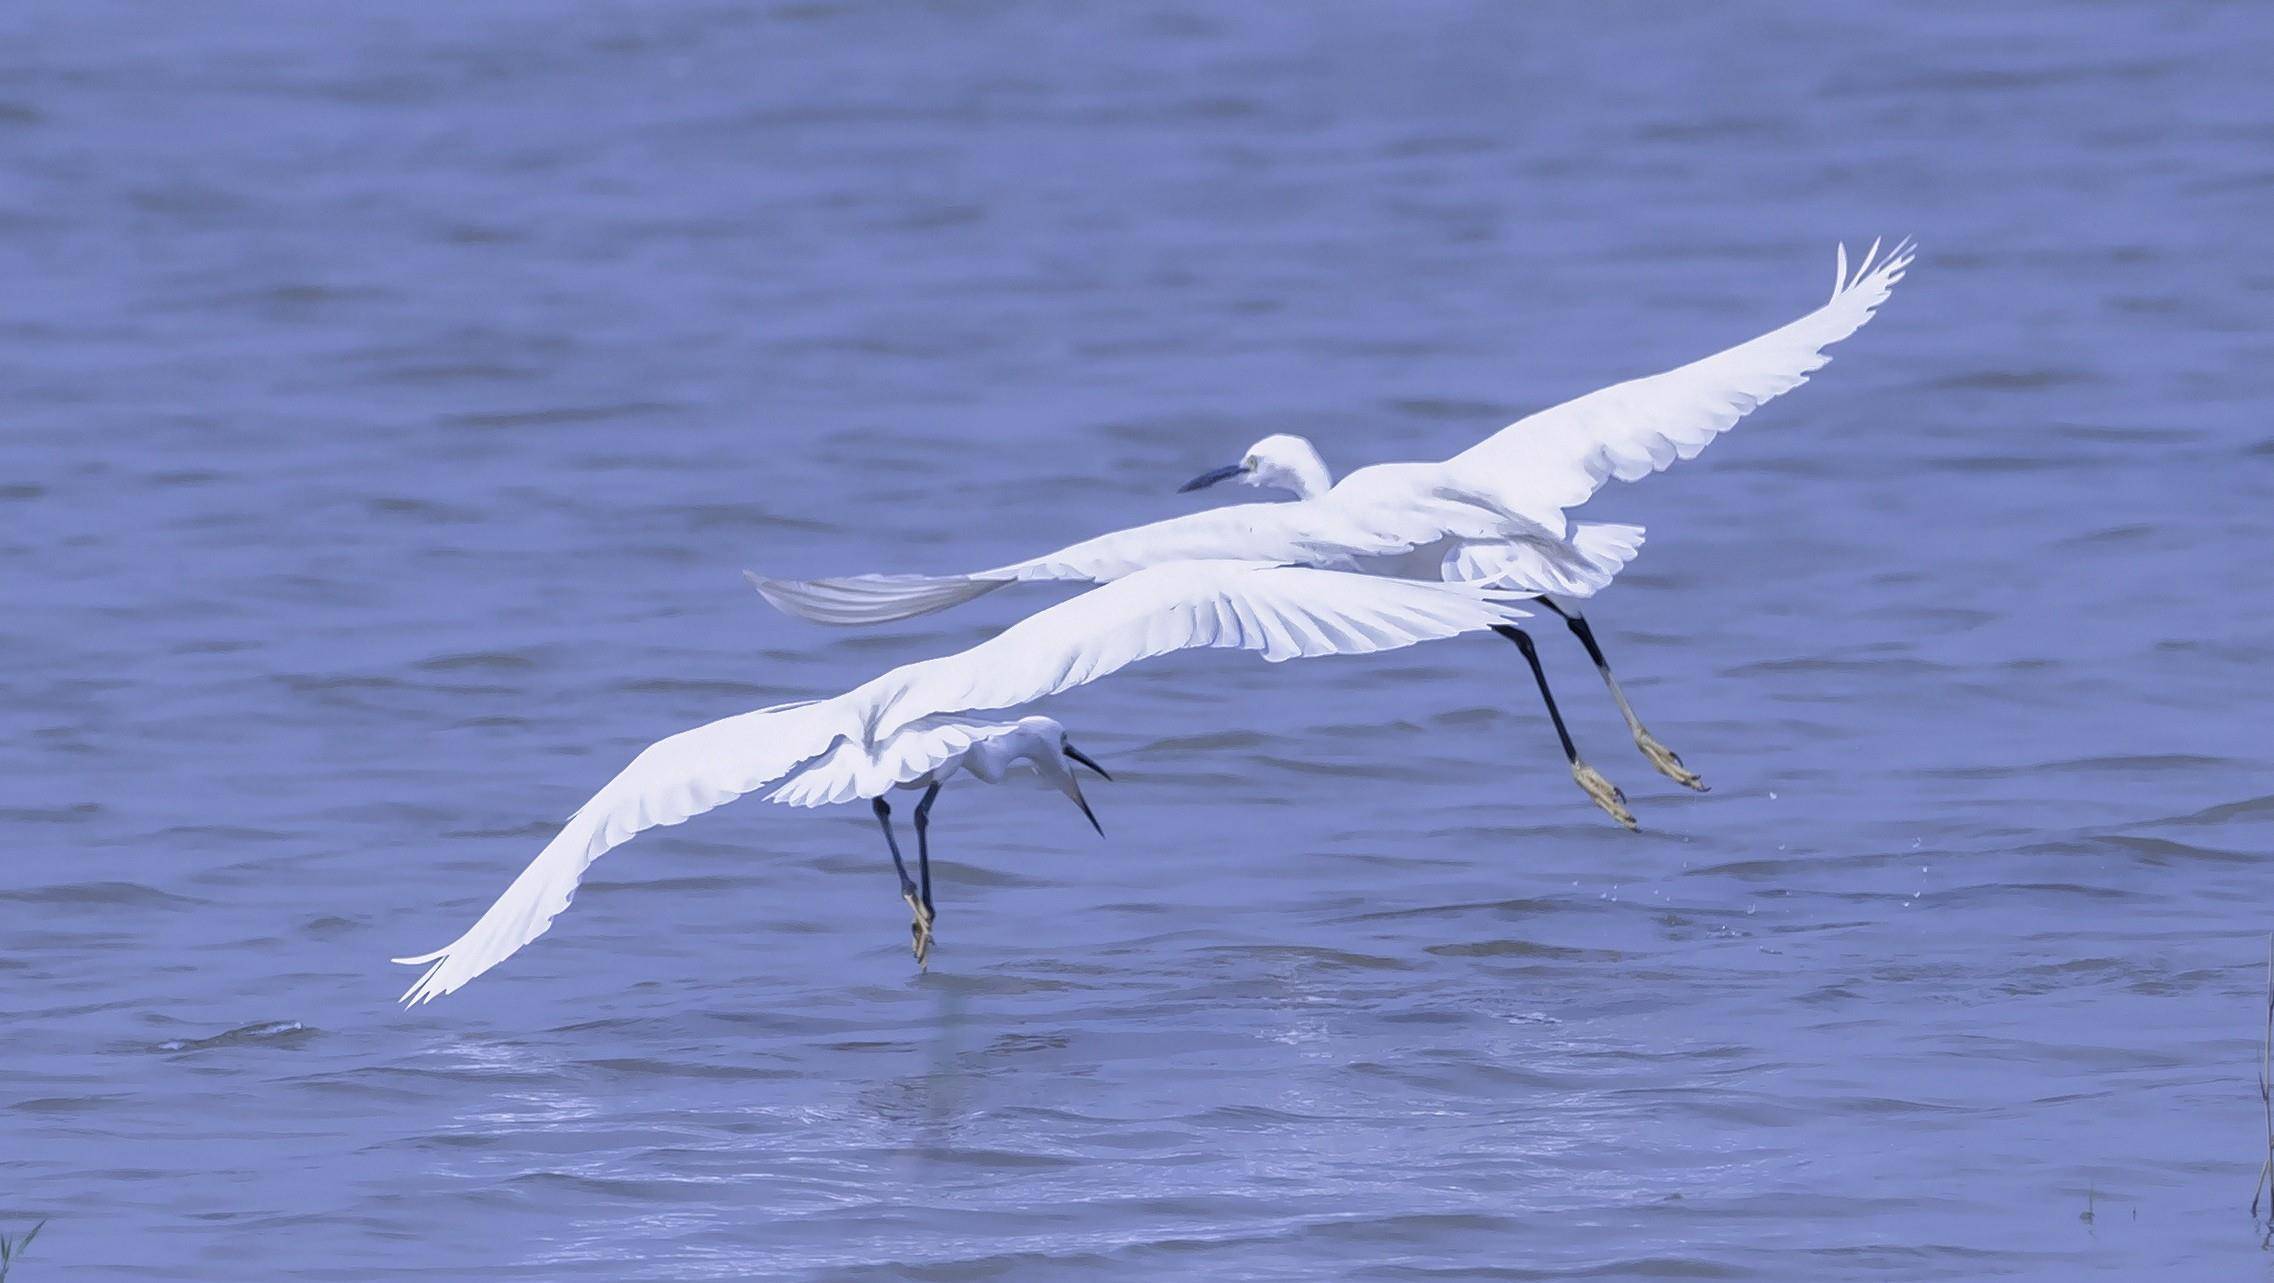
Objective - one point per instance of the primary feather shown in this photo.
(1557, 459)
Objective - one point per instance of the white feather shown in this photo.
(1582, 567)
(1557, 459)
(870, 599)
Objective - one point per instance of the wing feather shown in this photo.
(1276, 532)
(869, 599)
(1301, 532)
(1557, 458)
(670, 782)
(1282, 612)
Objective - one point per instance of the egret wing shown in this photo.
(670, 782)
(1246, 532)
(1282, 612)
(1319, 533)
(1559, 457)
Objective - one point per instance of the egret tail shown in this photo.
(1606, 546)
(870, 599)
(1580, 567)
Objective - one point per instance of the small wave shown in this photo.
(1368, 770)
(2117, 764)
(698, 686)
(1313, 955)
(2004, 463)
(72, 814)
(553, 415)
(1451, 410)
(280, 1033)
(232, 833)
(1209, 740)
(1502, 908)
(649, 1067)
(96, 893)
(423, 509)
(2247, 809)
(1882, 664)
(485, 661)
(1511, 948)
(2004, 380)
(745, 516)
(65, 1104)
(2132, 532)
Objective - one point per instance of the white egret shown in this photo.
(1498, 506)
(905, 728)
(1283, 461)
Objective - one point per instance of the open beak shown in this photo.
(1207, 479)
(1084, 758)
(1071, 785)
(1073, 789)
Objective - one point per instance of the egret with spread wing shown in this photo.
(906, 727)
(1495, 511)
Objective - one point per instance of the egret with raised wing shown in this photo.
(907, 729)
(1494, 512)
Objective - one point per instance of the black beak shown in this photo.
(1207, 479)
(1090, 815)
(1084, 758)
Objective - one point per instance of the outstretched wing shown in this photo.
(671, 781)
(1559, 457)
(1283, 612)
(1302, 533)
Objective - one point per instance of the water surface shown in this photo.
(390, 400)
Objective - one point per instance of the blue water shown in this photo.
(390, 397)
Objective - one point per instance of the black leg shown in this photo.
(918, 897)
(1605, 793)
(1665, 759)
(923, 841)
(884, 820)
(1523, 642)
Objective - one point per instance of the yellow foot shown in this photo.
(919, 928)
(1669, 764)
(1605, 793)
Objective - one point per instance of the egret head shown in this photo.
(1042, 741)
(1280, 462)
